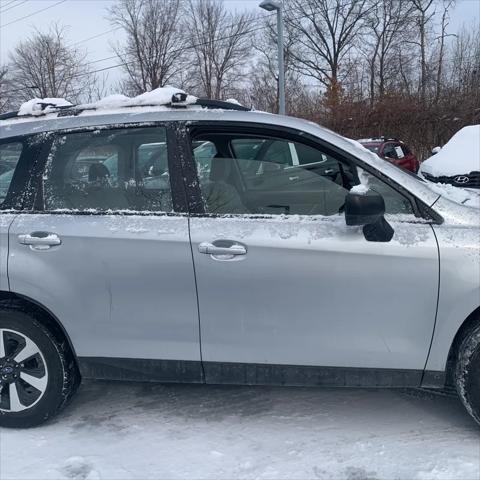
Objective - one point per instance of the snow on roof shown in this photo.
(233, 100)
(41, 106)
(158, 97)
(460, 155)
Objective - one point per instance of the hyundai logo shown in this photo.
(462, 179)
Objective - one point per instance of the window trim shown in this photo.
(179, 200)
(192, 129)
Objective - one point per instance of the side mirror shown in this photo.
(435, 150)
(367, 207)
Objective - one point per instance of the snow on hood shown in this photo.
(460, 155)
(34, 106)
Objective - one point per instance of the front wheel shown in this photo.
(37, 376)
(467, 372)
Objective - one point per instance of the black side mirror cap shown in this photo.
(380, 231)
(367, 208)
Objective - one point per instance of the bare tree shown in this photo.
(447, 5)
(45, 66)
(388, 25)
(219, 43)
(328, 30)
(424, 11)
(463, 77)
(264, 89)
(5, 88)
(155, 42)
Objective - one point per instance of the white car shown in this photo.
(458, 162)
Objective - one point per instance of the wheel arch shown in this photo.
(470, 322)
(43, 315)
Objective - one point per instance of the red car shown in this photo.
(392, 150)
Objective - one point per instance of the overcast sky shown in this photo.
(86, 18)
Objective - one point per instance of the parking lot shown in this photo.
(130, 431)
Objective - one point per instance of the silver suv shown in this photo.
(186, 243)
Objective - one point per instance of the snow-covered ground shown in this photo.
(133, 431)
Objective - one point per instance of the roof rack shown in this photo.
(178, 101)
(207, 103)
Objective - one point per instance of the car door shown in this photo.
(105, 248)
(283, 283)
(11, 151)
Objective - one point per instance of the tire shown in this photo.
(467, 372)
(37, 372)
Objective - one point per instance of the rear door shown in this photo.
(106, 249)
(10, 154)
(17, 160)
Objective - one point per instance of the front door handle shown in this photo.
(211, 249)
(40, 240)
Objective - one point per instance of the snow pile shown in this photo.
(459, 156)
(111, 101)
(359, 189)
(35, 106)
(233, 100)
(137, 431)
(158, 97)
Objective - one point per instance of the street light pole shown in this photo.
(270, 6)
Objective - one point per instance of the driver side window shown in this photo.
(268, 175)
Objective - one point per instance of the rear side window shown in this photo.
(9, 156)
(108, 170)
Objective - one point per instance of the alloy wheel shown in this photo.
(23, 372)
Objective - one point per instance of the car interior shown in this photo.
(261, 175)
(109, 172)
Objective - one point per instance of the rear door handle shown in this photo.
(40, 240)
(211, 249)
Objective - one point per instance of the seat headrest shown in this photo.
(220, 168)
(98, 171)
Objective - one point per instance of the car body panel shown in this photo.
(5, 221)
(121, 285)
(459, 293)
(315, 292)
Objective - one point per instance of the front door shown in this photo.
(106, 250)
(282, 281)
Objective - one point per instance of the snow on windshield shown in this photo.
(460, 155)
